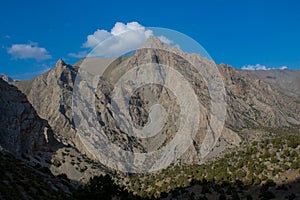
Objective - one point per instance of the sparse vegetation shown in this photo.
(19, 181)
(254, 164)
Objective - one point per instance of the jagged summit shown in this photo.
(154, 42)
(61, 65)
(60, 62)
(62, 70)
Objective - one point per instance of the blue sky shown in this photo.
(239, 33)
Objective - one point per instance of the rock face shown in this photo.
(254, 103)
(22, 131)
(251, 103)
(51, 96)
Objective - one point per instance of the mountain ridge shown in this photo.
(286, 81)
(251, 103)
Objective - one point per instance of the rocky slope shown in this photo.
(285, 81)
(51, 96)
(27, 136)
(22, 131)
(21, 181)
(25, 142)
(253, 103)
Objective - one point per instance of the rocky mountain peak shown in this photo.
(60, 63)
(153, 41)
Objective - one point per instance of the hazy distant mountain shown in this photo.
(285, 81)
(6, 78)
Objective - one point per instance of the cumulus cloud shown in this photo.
(261, 67)
(122, 38)
(283, 67)
(81, 54)
(165, 40)
(26, 51)
(255, 67)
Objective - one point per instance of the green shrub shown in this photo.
(56, 163)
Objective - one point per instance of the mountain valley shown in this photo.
(257, 155)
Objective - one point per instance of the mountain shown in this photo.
(255, 102)
(42, 143)
(252, 104)
(51, 96)
(285, 81)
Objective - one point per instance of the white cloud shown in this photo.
(121, 39)
(96, 38)
(283, 67)
(31, 50)
(165, 40)
(260, 67)
(80, 54)
(254, 67)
